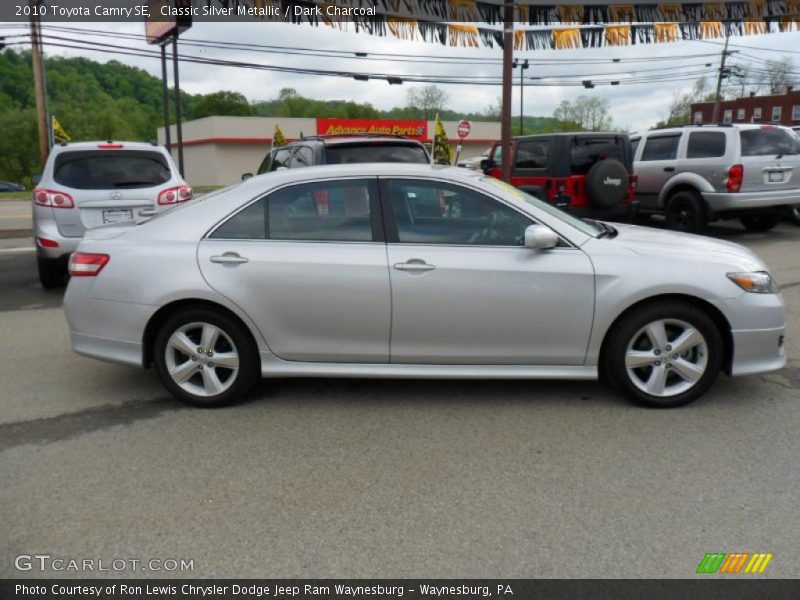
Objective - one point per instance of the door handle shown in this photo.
(414, 264)
(229, 258)
(669, 169)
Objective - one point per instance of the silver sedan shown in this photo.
(412, 271)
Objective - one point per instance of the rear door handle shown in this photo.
(414, 264)
(669, 169)
(229, 258)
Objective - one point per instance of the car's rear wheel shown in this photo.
(760, 223)
(205, 358)
(686, 212)
(52, 273)
(664, 355)
(794, 214)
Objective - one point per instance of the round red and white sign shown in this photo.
(463, 129)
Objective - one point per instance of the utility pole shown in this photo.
(39, 82)
(165, 96)
(508, 54)
(178, 116)
(522, 67)
(717, 97)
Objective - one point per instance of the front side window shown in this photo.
(532, 154)
(429, 212)
(302, 157)
(706, 144)
(281, 159)
(661, 148)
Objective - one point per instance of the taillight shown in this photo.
(86, 264)
(634, 181)
(735, 178)
(45, 243)
(175, 195)
(52, 198)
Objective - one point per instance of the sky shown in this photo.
(634, 107)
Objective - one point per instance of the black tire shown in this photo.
(237, 337)
(52, 273)
(628, 331)
(607, 184)
(686, 212)
(794, 214)
(760, 223)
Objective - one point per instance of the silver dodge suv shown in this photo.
(89, 184)
(700, 173)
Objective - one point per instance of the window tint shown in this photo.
(248, 224)
(706, 144)
(767, 141)
(635, 145)
(323, 211)
(109, 169)
(532, 154)
(587, 150)
(378, 152)
(281, 159)
(437, 213)
(661, 148)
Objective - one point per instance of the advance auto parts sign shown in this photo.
(416, 129)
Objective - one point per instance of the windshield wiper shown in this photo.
(605, 230)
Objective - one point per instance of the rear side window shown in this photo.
(533, 154)
(374, 153)
(248, 224)
(111, 169)
(587, 150)
(706, 144)
(323, 211)
(661, 148)
(768, 141)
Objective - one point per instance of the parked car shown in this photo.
(365, 271)
(701, 173)
(476, 161)
(8, 186)
(343, 149)
(89, 184)
(586, 174)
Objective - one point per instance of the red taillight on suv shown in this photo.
(52, 198)
(86, 264)
(175, 195)
(735, 178)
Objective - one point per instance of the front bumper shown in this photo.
(720, 201)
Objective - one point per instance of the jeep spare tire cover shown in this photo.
(607, 183)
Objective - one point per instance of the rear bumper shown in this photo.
(48, 230)
(719, 201)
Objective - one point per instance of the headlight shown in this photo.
(758, 282)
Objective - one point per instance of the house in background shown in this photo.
(778, 109)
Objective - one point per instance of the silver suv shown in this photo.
(697, 174)
(89, 184)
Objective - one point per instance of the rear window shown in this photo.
(706, 144)
(372, 153)
(587, 150)
(111, 169)
(768, 141)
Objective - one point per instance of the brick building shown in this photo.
(779, 109)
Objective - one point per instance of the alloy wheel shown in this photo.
(202, 359)
(666, 358)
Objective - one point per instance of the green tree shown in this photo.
(429, 99)
(221, 103)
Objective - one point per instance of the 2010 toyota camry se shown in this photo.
(391, 270)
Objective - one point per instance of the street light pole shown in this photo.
(522, 66)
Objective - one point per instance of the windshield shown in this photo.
(372, 153)
(582, 226)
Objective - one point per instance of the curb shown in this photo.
(6, 234)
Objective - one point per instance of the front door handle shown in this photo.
(669, 169)
(415, 264)
(229, 258)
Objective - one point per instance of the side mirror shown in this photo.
(486, 164)
(246, 176)
(539, 237)
(35, 179)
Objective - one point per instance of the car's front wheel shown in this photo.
(205, 358)
(664, 354)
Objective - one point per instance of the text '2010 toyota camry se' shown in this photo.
(388, 270)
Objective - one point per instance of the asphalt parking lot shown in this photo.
(347, 478)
